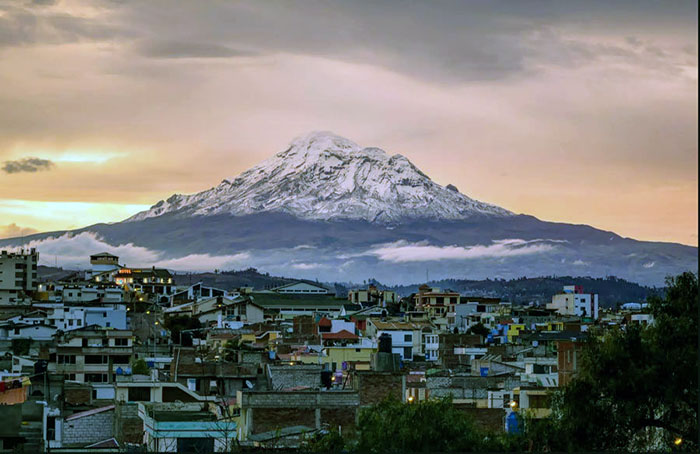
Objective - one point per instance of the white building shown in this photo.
(90, 294)
(34, 332)
(68, 318)
(104, 266)
(572, 301)
(18, 276)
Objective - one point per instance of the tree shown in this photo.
(434, 425)
(479, 329)
(140, 367)
(637, 387)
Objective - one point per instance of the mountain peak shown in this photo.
(324, 176)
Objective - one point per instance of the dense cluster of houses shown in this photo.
(120, 357)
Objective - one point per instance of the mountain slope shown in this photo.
(322, 176)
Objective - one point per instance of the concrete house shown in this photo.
(406, 337)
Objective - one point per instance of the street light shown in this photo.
(410, 399)
(678, 441)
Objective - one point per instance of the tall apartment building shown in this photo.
(18, 276)
(93, 354)
(572, 301)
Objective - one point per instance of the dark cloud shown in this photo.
(446, 40)
(23, 26)
(184, 49)
(27, 165)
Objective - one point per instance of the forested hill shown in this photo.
(611, 290)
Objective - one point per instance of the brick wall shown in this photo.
(78, 395)
(128, 425)
(335, 417)
(298, 399)
(267, 419)
(373, 387)
(282, 377)
(89, 429)
(275, 410)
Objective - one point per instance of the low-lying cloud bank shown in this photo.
(403, 251)
(73, 251)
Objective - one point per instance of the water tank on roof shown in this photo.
(385, 343)
(513, 425)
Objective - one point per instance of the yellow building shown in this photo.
(336, 355)
(514, 331)
(267, 338)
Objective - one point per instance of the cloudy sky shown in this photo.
(582, 112)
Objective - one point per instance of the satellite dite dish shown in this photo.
(249, 384)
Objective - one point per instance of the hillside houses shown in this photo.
(134, 352)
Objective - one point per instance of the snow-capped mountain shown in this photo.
(328, 209)
(322, 176)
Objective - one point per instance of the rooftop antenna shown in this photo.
(427, 276)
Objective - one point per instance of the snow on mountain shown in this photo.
(322, 176)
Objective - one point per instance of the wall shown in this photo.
(282, 377)
(373, 387)
(88, 429)
(128, 425)
(263, 411)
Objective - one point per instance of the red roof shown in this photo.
(343, 334)
(325, 322)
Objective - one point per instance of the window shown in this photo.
(65, 359)
(408, 338)
(96, 378)
(540, 369)
(139, 394)
(408, 353)
(121, 342)
(95, 359)
(121, 359)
